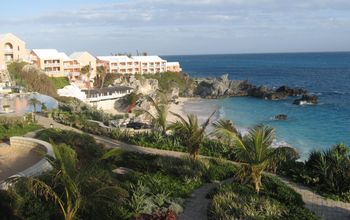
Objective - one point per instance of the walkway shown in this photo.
(324, 208)
(196, 205)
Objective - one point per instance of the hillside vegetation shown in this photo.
(32, 79)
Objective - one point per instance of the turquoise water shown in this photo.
(309, 126)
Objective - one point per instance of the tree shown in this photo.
(34, 102)
(43, 107)
(254, 151)
(70, 187)
(159, 119)
(191, 132)
(86, 71)
(102, 73)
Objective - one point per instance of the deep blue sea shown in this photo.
(309, 126)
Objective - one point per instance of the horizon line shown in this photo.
(257, 53)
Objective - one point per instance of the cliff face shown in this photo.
(221, 87)
(224, 87)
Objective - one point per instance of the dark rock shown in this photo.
(281, 117)
(260, 92)
(224, 87)
(306, 99)
(291, 91)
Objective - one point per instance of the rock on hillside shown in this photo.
(221, 87)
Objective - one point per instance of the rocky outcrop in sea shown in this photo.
(224, 87)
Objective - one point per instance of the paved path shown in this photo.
(324, 208)
(196, 205)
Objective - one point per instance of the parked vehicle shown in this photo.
(138, 125)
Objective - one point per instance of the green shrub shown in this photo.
(86, 147)
(275, 201)
(16, 126)
(59, 82)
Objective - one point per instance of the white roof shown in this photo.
(77, 55)
(50, 54)
(173, 64)
(115, 58)
(147, 58)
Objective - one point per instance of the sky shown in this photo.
(179, 27)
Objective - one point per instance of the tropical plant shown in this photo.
(254, 151)
(159, 119)
(67, 188)
(191, 132)
(86, 70)
(331, 168)
(101, 73)
(43, 107)
(34, 102)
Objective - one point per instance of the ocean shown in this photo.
(309, 126)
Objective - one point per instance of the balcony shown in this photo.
(52, 64)
(72, 66)
(8, 51)
(53, 72)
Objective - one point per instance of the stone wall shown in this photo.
(40, 167)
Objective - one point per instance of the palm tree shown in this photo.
(159, 118)
(191, 132)
(34, 102)
(86, 70)
(67, 187)
(101, 72)
(254, 151)
(66, 176)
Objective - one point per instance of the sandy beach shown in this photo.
(179, 108)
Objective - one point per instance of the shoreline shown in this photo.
(179, 108)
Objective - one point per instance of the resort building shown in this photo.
(150, 64)
(52, 62)
(119, 64)
(134, 64)
(12, 49)
(84, 59)
(173, 67)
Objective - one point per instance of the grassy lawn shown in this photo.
(59, 82)
(16, 129)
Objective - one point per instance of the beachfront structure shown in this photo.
(12, 48)
(133, 64)
(105, 98)
(173, 67)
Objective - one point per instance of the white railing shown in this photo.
(8, 50)
(114, 95)
(52, 64)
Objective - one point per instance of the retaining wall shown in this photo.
(40, 167)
